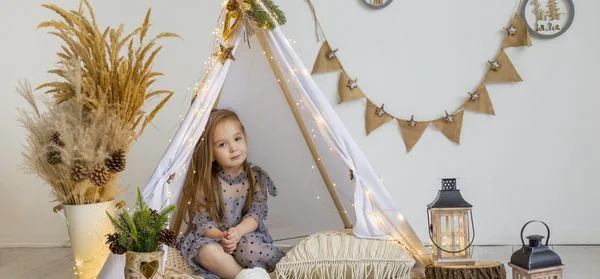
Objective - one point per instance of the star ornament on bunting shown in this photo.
(224, 53)
(511, 30)
(331, 55)
(474, 96)
(412, 121)
(380, 112)
(494, 65)
(449, 118)
(353, 83)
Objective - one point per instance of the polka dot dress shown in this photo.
(255, 249)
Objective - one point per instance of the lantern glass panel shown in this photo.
(452, 232)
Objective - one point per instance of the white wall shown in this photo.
(535, 159)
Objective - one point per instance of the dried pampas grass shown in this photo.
(78, 139)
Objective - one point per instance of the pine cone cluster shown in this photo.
(53, 156)
(116, 162)
(113, 244)
(55, 138)
(100, 175)
(80, 171)
(167, 237)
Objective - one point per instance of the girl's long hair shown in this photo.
(201, 190)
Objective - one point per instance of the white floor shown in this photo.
(581, 262)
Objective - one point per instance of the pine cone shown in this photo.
(116, 161)
(112, 238)
(53, 156)
(55, 138)
(113, 244)
(117, 249)
(100, 175)
(167, 237)
(79, 172)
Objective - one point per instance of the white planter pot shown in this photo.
(88, 225)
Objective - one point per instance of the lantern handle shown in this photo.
(430, 227)
(523, 230)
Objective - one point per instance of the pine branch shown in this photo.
(120, 228)
(263, 17)
(277, 13)
(141, 205)
(128, 223)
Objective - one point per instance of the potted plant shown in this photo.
(78, 139)
(140, 235)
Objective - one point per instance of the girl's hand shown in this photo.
(228, 245)
(233, 234)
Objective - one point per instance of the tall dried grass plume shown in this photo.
(78, 140)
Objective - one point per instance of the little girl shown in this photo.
(226, 200)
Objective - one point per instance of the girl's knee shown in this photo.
(207, 254)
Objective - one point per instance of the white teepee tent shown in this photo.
(322, 156)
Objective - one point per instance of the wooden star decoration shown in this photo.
(494, 65)
(224, 53)
(511, 30)
(353, 83)
(380, 112)
(331, 55)
(474, 96)
(412, 121)
(449, 117)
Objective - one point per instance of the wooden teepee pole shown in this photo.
(307, 138)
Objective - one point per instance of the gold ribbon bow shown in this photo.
(235, 15)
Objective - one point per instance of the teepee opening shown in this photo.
(324, 180)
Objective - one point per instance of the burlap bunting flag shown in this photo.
(517, 34)
(506, 71)
(326, 60)
(346, 92)
(479, 101)
(451, 129)
(372, 120)
(411, 134)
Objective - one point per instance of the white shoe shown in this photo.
(253, 273)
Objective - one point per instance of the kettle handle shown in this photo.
(523, 229)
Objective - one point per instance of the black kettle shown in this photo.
(535, 255)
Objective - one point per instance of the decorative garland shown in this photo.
(501, 70)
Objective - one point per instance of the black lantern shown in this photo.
(450, 223)
(536, 260)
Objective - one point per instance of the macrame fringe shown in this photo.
(332, 255)
(345, 269)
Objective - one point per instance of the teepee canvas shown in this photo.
(293, 132)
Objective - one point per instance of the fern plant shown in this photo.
(144, 231)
